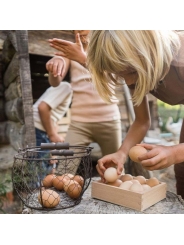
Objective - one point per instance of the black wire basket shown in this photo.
(53, 176)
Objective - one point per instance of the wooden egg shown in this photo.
(116, 183)
(146, 187)
(126, 177)
(58, 182)
(136, 187)
(152, 182)
(135, 181)
(79, 179)
(68, 176)
(74, 189)
(50, 198)
(67, 183)
(126, 185)
(135, 152)
(141, 179)
(110, 174)
(48, 180)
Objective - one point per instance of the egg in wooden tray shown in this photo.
(135, 192)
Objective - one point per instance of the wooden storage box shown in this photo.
(127, 198)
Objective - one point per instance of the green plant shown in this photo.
(3, 195)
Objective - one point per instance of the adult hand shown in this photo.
(116, 160)
(157, 157)
(70, 50)
(56, 66)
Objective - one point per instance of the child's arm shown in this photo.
(57, 68)
(135, 135)
(44, 111)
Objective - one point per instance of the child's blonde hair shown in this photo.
(148, 52)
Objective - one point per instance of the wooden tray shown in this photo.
(127, 198)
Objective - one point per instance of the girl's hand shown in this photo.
(70, 50)
(116, 160)
(56, 66)
(157, 157)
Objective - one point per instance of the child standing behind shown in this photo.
(47, 111)
(92, 120)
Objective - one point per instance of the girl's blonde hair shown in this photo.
(147, 52)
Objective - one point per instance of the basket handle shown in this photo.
(58, 145)
(62, 153)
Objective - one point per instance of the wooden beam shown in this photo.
(25, 78)
(38, 40)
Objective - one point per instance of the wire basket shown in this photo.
(53, 176)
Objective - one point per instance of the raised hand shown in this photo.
(70, 50)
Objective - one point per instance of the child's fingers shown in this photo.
(60, 48)
(100, 173)
(60, 69)
(55, 69)
(77, 39)
(49, 66)
(119, 169)
(57, 41)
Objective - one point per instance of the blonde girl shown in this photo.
(149, 61)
